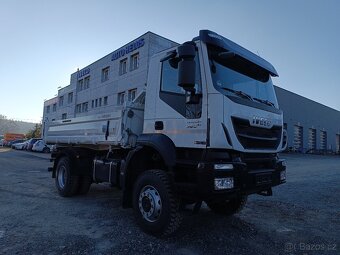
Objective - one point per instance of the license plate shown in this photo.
(262, 179)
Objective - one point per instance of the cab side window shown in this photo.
(174, 95)
(169, 78)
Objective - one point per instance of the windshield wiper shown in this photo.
(239, 93)
(245, 95)
(264, 101)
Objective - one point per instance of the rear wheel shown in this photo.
(228, 207)
(66, 183)
(155, 204)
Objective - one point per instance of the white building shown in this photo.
(108, 82)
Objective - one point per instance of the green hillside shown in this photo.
(13, 126)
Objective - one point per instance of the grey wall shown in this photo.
(302, 111)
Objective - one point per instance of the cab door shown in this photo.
(184, 123)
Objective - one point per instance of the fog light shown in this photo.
(283, 175)
(223, 166)
(224, 183)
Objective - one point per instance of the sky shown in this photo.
(43, 41)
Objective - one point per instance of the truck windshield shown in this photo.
(235, 76)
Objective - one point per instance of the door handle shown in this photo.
(159, 125)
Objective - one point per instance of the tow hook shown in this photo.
(266, 193)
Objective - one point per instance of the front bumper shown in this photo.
(246, 180)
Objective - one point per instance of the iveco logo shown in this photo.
(261, 122)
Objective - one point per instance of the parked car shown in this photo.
(18, 146)
(24, 146)
(41, 146)
(12, 143)
(31, 142)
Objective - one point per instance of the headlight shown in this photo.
(283, 175)
(223, 166)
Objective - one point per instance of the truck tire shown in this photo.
(66, 183)
(84, 184)
(228, 207)
(155, 204)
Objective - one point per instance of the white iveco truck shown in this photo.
(207, 127)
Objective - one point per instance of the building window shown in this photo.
(92, 104)
(105, 73)
(48, 109)
(80, 85)
(122, 66)
(323, 140)
(132, 94)
(78, 108)
(96, 105)
(100, 102)
(337, 143)
(70, 97)
(121, 97)
(64, 116)
(61, 101)
(54, 107)
(87, 82)
(312, 139)
(105, 100)
(134, 61)
(298, 138)
(85, 107)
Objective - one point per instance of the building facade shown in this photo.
(311, 126)
(108, 82)
(122, 74)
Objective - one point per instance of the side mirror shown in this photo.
(187, 66)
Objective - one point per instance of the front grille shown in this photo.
(259, 160)
(255, 137)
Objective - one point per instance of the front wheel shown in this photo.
(155, 204)
(228, 207)
(66, 183)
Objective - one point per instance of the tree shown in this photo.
(35, 132)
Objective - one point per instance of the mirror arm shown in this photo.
(170, 55)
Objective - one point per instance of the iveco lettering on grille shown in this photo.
(261, 122)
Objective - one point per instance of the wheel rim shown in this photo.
(150, 203)
(61, 176)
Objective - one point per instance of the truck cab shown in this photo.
(226, 120)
